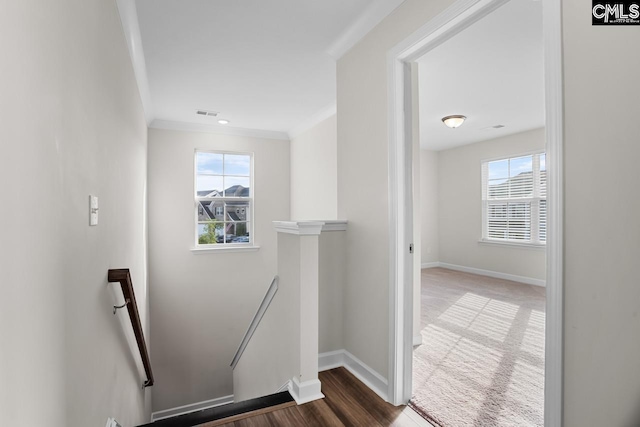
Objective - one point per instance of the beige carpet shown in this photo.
(482, 358)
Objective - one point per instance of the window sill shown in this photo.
(534, 246)
(224, 248)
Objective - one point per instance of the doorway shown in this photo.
(453, 20)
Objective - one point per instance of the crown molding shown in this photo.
(218, 129)
(372, 16)
(131, 29)
(318, 117)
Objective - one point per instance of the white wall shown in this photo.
(430, 236)
(314, 196)
(314, 172)
(272, 356)
(332, 266)
(72, 125)
(201, 304)
(363, 180)
(602, 231)
(460, 208)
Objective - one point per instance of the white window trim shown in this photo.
(229, 247)
(513, 243)
(251, 245)
(485, 239)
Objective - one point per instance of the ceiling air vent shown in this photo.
(207, 113)
(493, 127)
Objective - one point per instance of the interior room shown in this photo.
(482, 194)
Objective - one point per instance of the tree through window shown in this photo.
(223, 198)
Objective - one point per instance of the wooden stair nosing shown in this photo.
(224, 412)
(249, 414)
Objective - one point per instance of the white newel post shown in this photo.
(298, 241)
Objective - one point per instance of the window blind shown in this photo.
(514, 199)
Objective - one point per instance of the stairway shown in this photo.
(228, 413)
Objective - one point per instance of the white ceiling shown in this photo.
(492, 72)
(262, 64)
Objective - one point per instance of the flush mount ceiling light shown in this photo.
(453, 121)
(223, 122)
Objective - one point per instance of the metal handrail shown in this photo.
(271, 292)
(124, 277)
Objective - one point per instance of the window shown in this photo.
(223, 198)
(514, 199)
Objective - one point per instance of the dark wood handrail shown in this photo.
(124, 277)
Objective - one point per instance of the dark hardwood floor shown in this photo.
(347, 402)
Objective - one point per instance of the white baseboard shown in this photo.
(430, 264)
(496, 274)
(181, 410)
(331, 360)
(284, 387)
(369, 377)
(306, 391)
(417, 340)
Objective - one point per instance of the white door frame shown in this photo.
(456, 18)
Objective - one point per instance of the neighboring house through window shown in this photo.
(514, 199)
(223, 198)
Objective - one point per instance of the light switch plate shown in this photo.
(93, 210)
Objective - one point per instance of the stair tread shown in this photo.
(223, 411)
